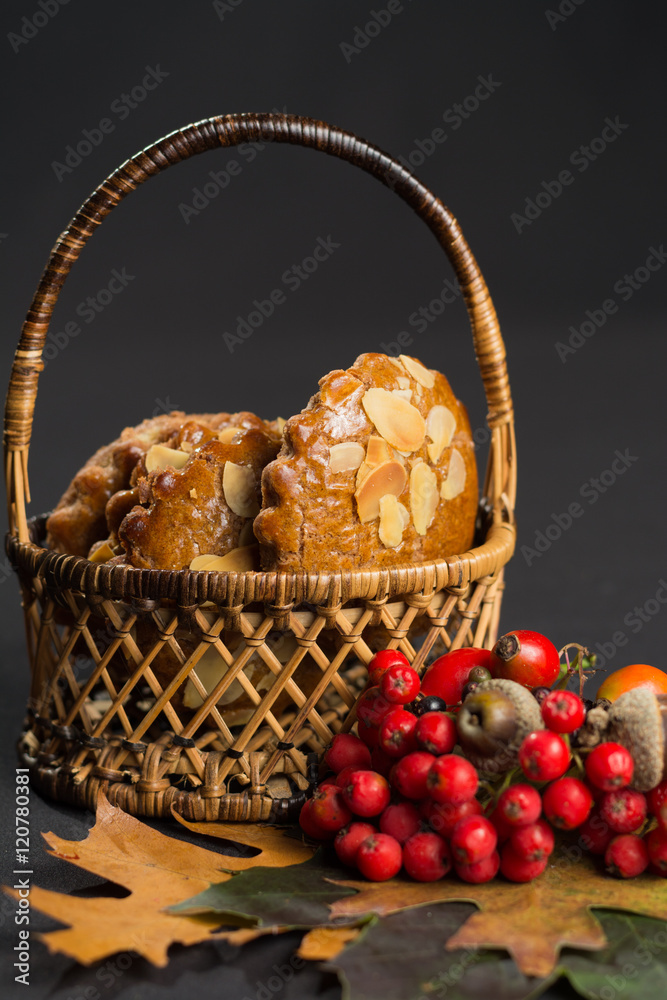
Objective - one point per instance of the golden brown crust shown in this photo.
(314, 518)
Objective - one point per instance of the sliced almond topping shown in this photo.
(403, 382)
(346, 457)
(241, 560)
(280, 423)
(392, 523)
(403, 393)
(186, 446)
(419, 392)
(238, 483)
(247, 535)
(159, 457)
(415, 461)
(397, 364)
(456, 477)
(397, 420)
(418, 372)
(227, 433)
(405, 514)
(102, 553)
(423, 496)
(193, 493)
(377, 452)
(440, 427)
(390, 477)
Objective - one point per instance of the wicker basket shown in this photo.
(99, 716)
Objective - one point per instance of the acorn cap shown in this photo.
(528, 719)
(637, 722)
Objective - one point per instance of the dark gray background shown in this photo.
(160, 342)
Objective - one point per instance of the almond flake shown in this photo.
(193, 493)
(377, 451)
(159, 457)
(238, 484)
(423, 496)
(440, 427)
(397, 364)
(403, 393)
(392, 523)
(241, 560)
(403, 382)
(102, 553)
(418, 372)
(390, 477)
(456, 477)
(346, 457)
(398, 421)
(227, 433)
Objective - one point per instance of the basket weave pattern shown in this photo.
(101, 714)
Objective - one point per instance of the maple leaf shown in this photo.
(533, 921)
(159, 871)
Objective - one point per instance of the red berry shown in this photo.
(396, 735)
(503, 829)
(435, 732)
(452, 779)
(331, 779)
(534, 842)
(609, 766)
(626, 856)
(329, 809)
(381, 662)
(656, 844)
(401, 821)
(366, 793)
(347, 841)
(473, 839)
(623, 809)
(480, 871)
(519, 805)
(656, 797)
(379, 857)
(442, 817)
(595, 834)
(372, 707)
(342, 778)
(309, 824)
(347, 750)
(527, 658)
(408, 776)
(563, 711)
(400, 684)
(368, 734)
(518, 869)
(426, 857)
(448, 675)
(544, 756)
(567, 803)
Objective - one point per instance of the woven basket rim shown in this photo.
(192, 587)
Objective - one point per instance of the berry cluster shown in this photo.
(402, 796)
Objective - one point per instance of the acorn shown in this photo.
(638, 721)
(493, 723)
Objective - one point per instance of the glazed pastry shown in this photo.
(378, 470)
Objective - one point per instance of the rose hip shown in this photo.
(544, 756)
(381, 662)
(329, 810)
(309, 824)
(566, 803)
(436, 733)
(366, 793)
(563, 711)
(473, 839)
(519, 805)
(347, 841)
(442, 817)
(452, 779)
(534, 842)
(595, 834)
(609, 766)
(409, 774)
(518, 869)
(623, 809)
(347, 750)
(480, 871)
(626, 856)
(426, 857)
(401, 821)
(396, 735)
(656, 844)
(399, 684)
(379, 857)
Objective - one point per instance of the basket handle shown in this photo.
(230, 130)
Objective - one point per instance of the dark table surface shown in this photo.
(541, 128)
